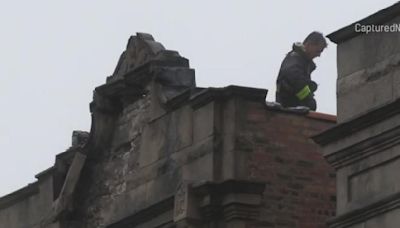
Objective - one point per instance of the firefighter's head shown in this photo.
(314, 44)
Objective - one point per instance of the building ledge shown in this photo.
(209, 94)
(362, 214)
(349, 127)
(322, 116)
(18, 195)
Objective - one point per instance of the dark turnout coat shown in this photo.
(294, 84)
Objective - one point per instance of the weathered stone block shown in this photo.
(395, 73)
(366, 181)
(131, 122)
(185, 203)
(23, 214)
(194, 152)
(388, 220)
(203, 121)
(181, 128)
(195, 171)
(161, 220)
(364, 96)
(375, 181)
(368, 69)
(128, 203)
(163, 187)
(175, 76)
(152, 142)
(366, 50)
(54, 225)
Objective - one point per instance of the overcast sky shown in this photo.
(54, 53)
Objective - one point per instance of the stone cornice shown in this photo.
(365, 148)
(229, 186)
(345, 129)
(232, 199)
(361, 215)
(20, 194)
(45, 173)
(145, 214)
(377, 18)
(210, 94)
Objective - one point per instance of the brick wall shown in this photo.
(300, 190)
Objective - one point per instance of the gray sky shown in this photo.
(54, 53)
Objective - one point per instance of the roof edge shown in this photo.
(18, 195)
(212, 93)
(377, 18)
(322, 116)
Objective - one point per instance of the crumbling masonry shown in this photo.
(162, 152)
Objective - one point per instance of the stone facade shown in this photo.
(364, 146)
(162, 153)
